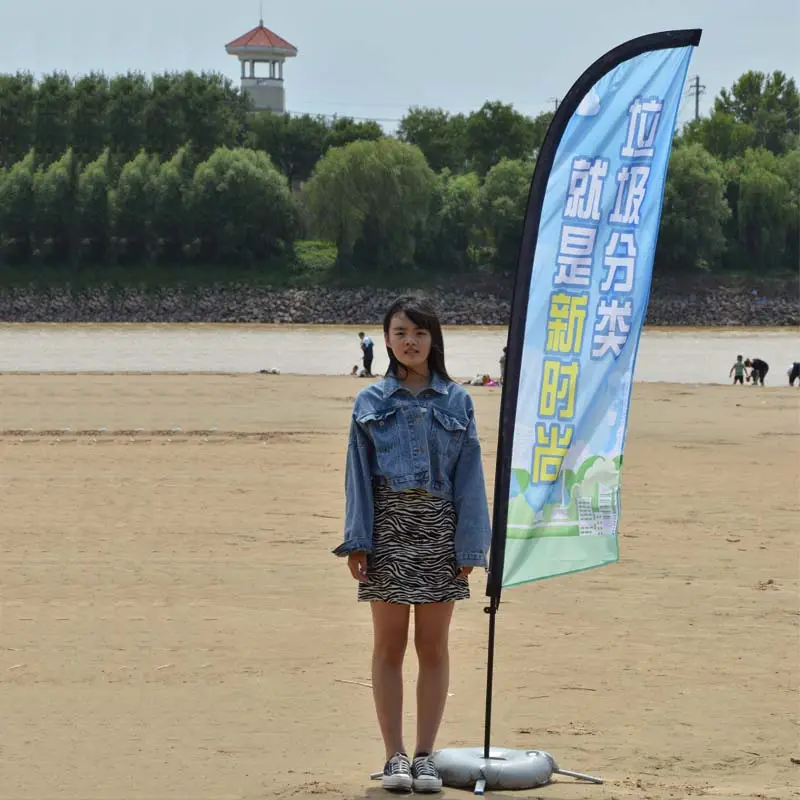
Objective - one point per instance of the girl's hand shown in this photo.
(358, 566)
(463, 572)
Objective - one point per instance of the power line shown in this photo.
(341, 116)
(395, 120)
(694, 90)
(681, 108)
(351, 105)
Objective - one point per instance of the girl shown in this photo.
(417, 522)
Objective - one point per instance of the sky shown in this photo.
(375, 59)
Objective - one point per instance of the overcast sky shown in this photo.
(376, 58)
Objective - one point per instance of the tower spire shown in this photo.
(261, 13)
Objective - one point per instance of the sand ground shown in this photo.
(173, 625)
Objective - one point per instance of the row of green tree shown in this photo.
(744, 210)
(175, 170)
(234, 206)
(378, 201)
(130, 113)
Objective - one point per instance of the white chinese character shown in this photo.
(614, 261)
(586, 183)
(612, 328)
(577, 241)
(643, 119)
(631, 190)
(573, 271)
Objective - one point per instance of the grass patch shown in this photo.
(313, 264)
(310, 264)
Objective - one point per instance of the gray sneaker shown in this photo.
(397, 774)
(425, 776)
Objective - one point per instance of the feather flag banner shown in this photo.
(580, 301)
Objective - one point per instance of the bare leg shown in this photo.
(431, 629)
(390, 627)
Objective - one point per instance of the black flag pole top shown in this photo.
(519, 307)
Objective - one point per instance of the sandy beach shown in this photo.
(174, 625)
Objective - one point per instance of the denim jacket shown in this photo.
(425, 441)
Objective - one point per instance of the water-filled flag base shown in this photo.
(466, 768)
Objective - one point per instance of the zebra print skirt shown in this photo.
(413, 557)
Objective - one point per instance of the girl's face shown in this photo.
(411, 345)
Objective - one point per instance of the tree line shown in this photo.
(178, 169)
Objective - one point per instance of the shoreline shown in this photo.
(699, 356)
(305, 376)
(672, 304)
(353, 326)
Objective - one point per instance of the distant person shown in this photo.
(794, 373)
(503, 366)
(738, 371)
(368, 350)
(479, 380)
(758, 370)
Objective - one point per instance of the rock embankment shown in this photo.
(670, 304)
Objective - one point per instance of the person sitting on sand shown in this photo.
(478, 380)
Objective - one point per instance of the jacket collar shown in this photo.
(391, 385)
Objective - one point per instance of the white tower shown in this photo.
(262, 46)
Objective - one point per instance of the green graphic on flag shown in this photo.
(588, 503)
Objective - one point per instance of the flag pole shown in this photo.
(519, 309)
(491, 610)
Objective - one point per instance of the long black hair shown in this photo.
(422, 313)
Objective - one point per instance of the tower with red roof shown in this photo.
(261, 46)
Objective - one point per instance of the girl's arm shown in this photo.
(473, 531)
(359, 511)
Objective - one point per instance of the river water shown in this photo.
(674, 355)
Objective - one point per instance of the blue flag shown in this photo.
(579, 304)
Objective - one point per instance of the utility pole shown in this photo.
(696, 89)
(554, 101)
